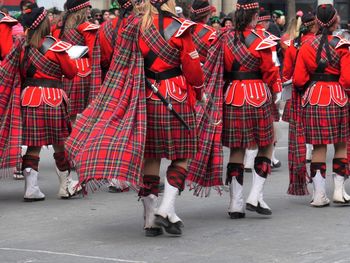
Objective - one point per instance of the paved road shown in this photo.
(107, 227)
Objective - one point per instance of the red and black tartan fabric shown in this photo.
(341, 166)
(247, 126)
(275, 113)
(166, 135)
(206, 169)
(298, 175)
(242, 53)
(326, 125)
(159, 46)
(96, 72)
(39, 61)
(10, 110)
(107, 141)
(315, 43)
(45, 125)
(78, 89)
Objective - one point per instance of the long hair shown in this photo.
(72, 20)
(242, 20)
(293, 29)
(35, 36)
(150, 10)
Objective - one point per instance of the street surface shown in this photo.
(105, 227)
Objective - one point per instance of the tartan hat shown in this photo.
(247, 4)
(76, 5)
(308, 19)
(326, 15)
(125, 3)
(32, 18)
(200, 7)
(264, 15)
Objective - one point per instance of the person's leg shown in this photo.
(318, 175)
(149, 196)
(30, 168)
(262, 168)
(68, 187)
(340, 173)
(174, 184)
(234, 178)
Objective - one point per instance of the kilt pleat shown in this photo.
(166, 136)
(45, 125)
(247, 126)
(326, 124)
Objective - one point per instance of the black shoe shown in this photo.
(169, 227)
(33, 199)
(114, 189)
(236, 215)
(153, 232)
(258, 209)
(276, 165)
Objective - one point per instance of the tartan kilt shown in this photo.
(275, 112)
(287, 111)
(45, 125)
(247, 126)
(326, 124)
(166, 137)
(77, 91)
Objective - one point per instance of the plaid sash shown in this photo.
(206, 169)
(10, 109)
(43, 64)
(108, 139)
(160, 47)
(96, 72)
(335, 63)
(242, 54)
(72, 36)
(201, 46)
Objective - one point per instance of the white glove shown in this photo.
(278, 97)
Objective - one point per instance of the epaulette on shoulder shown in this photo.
(340, 42)
(265, 44)
(273, 37)
(90, 27)
(288, 43)
(185, 25)
(212, 30)
(59, 46)
(7, 19)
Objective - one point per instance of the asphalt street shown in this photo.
(105, 227)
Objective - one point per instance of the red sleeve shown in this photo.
(190, 61)
(89, 36)
(6, 39)
(301, 72)
(68, 66)
(344, 68)
(288, 63)
(270, 72)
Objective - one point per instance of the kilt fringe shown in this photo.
(92, 185)
(6, 173)
(203, 191)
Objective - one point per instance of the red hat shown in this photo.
(76, 5)
(247, 4)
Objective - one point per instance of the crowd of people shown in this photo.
(116, 91)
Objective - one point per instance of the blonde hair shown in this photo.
(35, 36)
(293, 29)
(75, 19)
(150, 10)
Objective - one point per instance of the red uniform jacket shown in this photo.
(290, 57)
(6, 24)
(181, 86)
(203, 36)
(88, 31)
(254, 92)
(321, 93)
(33, 96)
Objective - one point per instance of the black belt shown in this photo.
(167, 74)
(239, 75)
(324, 77)
(48, 83)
